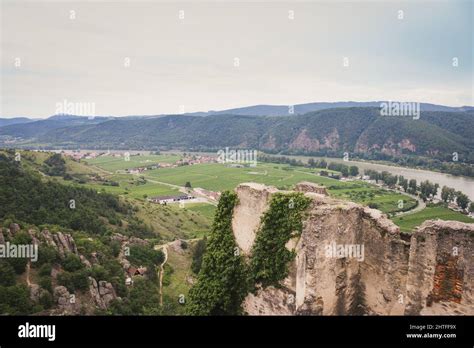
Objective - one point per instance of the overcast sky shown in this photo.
(189, 64)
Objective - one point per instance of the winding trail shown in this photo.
(420, 206)
(28, 282)
(164, 248)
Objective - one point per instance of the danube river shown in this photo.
(459, 183)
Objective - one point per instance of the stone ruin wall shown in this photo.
(396, 277)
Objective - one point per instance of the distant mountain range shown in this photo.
(254, 110)
(437, 134)
(299, 109)
(15, 120)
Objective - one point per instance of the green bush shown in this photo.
(46, 300)
(46, 283)
(74, 281)
(7, 274)
(72, 263)
(46, 255)
(15, 300)
(45, 270)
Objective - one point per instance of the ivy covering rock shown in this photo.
(281, 222)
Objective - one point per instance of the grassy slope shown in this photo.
(206, 210)
(177, 276)
(409, 222)
(173, 222)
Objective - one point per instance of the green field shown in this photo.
(408, 222)
(206, 210)
(112, 164)
(128, 185)
(218, 177)
(384, 200)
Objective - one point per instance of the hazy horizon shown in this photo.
(217, 110)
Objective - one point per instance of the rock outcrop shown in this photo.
(67, 303)
(351, 260)
(102, 293)
(62, 242)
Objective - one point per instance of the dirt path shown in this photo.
(421, 205)
(180, 188)
(164, 248)
(100, 169)
(28, 282)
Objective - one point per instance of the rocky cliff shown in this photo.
(352, 260)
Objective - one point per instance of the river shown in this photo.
(460, 183)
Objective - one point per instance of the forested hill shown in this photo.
(435, 134)
(25, 197)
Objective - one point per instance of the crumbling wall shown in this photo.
(376, 281)
(253, 202)
(441, 269)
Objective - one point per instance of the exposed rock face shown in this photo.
(101, 292)
(352, 260)
(307, 142)
(36, 292)
(63, 242)
(67, 304)
(253, 202)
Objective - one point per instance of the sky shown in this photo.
(161, 57)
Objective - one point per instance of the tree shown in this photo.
(427, 189)
(311, 163)
(7, 274)
(222, 282)
(354, 170)
(403, 183)
(445, 194)
(46, 255)
(471, 207)
(198, 253)
(187, 185)
(462, 200)
(345, 171)
(55, 165)
(15, 300)
(72, 263)
(412, 186)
